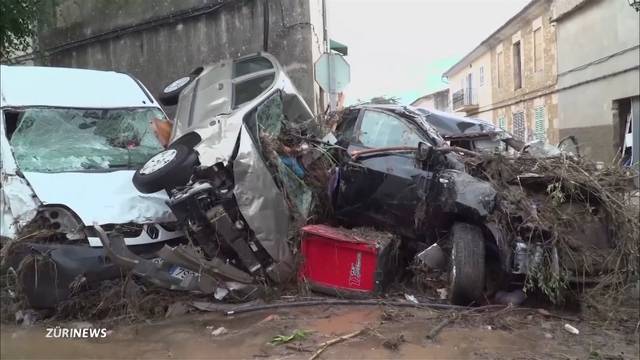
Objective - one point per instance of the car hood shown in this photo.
(102, 198)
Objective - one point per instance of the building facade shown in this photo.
(559, 68)
(470, 84)
(438, 100)
(524, 75)
(599, 75)
(509, 79)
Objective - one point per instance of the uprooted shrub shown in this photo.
(568, 207)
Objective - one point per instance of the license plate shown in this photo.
(181, 273)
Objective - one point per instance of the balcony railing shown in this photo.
(465, 100)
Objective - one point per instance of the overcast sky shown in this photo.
(402, 47)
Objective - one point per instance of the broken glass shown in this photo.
(270, 120)
(60, 140)
(379, 130)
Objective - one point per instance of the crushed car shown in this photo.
(248, 165)
(484, 137)
(418, 191)
(465, 193)
(222, 187)
(67, 160)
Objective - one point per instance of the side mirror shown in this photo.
(569, 145)
(424, 151)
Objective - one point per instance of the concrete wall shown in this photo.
(563, 7)
(141, 38)
(598, 63)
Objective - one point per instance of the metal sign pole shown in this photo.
(332, 86)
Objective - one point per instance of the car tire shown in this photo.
(171, 93)
(467, 271)
(166, 170)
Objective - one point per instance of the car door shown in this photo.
(381, 189)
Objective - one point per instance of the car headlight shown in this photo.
(61, 220)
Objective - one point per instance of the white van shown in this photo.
(71, 140)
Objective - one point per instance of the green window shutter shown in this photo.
(518, 127)
(501, 122)
(540, 131)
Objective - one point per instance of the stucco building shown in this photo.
(558, 68)
(598, 87)
(470, 84)
(438, 100)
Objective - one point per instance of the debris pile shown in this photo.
(279, 200)
(582, 215)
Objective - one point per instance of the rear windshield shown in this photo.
(59, 140)
(251, 65)
(251, 77)
(250, 89)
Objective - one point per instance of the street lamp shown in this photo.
(635, 4)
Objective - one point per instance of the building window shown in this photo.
(518, 127)
(540, 130)
(517, 70)
(499, 68)
(537, 49)
(502, 123)
(481, 75)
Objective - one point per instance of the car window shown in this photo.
(270, 116)
(379, 129)
(58, 140)
(251, 65)
(250, 89)
(488, 145)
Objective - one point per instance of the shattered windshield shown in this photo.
(59, 140)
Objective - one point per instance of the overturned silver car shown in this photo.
(221, 188)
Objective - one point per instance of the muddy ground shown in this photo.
(389, 333)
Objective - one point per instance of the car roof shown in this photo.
(404, 110)
(381, 106)
(452, 125)
(74, 88)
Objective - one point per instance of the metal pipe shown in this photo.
(265, 24)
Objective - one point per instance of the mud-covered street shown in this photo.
(390, 333)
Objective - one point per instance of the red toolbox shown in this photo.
(352, 263)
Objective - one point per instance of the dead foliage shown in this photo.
(563, 203)
(393, 343)
(122, 300)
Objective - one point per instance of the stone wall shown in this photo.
(550, 103)
(159, 41)
(537, 86)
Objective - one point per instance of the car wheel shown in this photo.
(166, 170)
(466, 275)
(170, 93)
